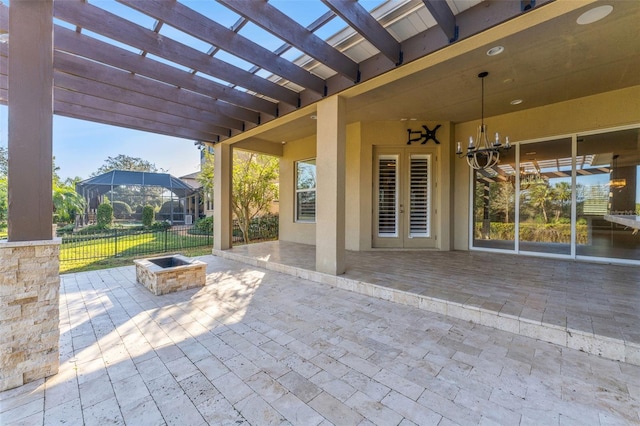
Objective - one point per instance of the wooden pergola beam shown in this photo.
(173, 99)
(90, 48)
(273, 20)
(191, 117)
(85, 112)
(445, 18)
(191, 22)
(114, 27)
(368, 27)
(89, 101)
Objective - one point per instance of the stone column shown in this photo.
(330, 193)
(29, 311)
(222, 219)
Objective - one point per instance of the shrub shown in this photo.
(203, 226)
(105, 215)
(65, 230)
(166, 207)
(92, 229)
(160, 226)
(147, 215)
(121, 210)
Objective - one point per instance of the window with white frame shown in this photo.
(306, 190)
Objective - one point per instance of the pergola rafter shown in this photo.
(208, 98)
(367, 26)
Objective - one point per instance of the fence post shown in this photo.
(165, 240)
(115, 238)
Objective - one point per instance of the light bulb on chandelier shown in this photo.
(482, 154)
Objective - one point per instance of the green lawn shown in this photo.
(98, 252)
(114, 262)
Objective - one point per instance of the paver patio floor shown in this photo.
(259, 347)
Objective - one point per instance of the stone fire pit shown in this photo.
(167, 274)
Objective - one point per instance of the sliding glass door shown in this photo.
(545, 197)
(573, 196)
(608, 195)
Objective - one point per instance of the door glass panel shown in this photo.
(388, 196)
(608, 195)
(494, 205)
(420, 197)
(545, 196)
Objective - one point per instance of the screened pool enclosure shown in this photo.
(128, 192)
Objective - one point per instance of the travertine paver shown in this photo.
(258, 347)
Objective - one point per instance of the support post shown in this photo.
(330, 196)
(222, 221)
(29, 260)
(30, 120)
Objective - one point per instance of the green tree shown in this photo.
(562, 198)
(4, 161)
(503, 199)
(67, 203)
(3, 202)
(539, 195)
(254, 185)
(125, 162)
(104, 215)
(147, 215)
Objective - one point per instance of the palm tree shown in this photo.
(539, 197)
(561, 195)
(66, 203)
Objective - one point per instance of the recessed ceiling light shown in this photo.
(594, 15)
(413, 119)
(283, 142)
(516, 102)
(403, 119)
(508, 80)
(313, 117)
(496, 50)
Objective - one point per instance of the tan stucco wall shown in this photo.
(607, 110)
(361, 139)
(293, 151)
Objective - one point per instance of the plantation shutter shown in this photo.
(420, 195)
(388, 196)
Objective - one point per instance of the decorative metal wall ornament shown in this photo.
(483, 155)
(425, 136)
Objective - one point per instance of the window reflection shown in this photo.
(495, 205)
(545, 197)
(608, 195)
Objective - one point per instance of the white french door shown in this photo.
(403, 198)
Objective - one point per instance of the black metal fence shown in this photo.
(135, 241)
(130, 243)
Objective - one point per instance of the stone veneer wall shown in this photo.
(29, 311)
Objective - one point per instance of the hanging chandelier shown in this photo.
(482, 154)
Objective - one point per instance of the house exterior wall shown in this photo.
(361, 140)
(602, 111)
(289, 229)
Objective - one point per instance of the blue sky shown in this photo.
(81, 147)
